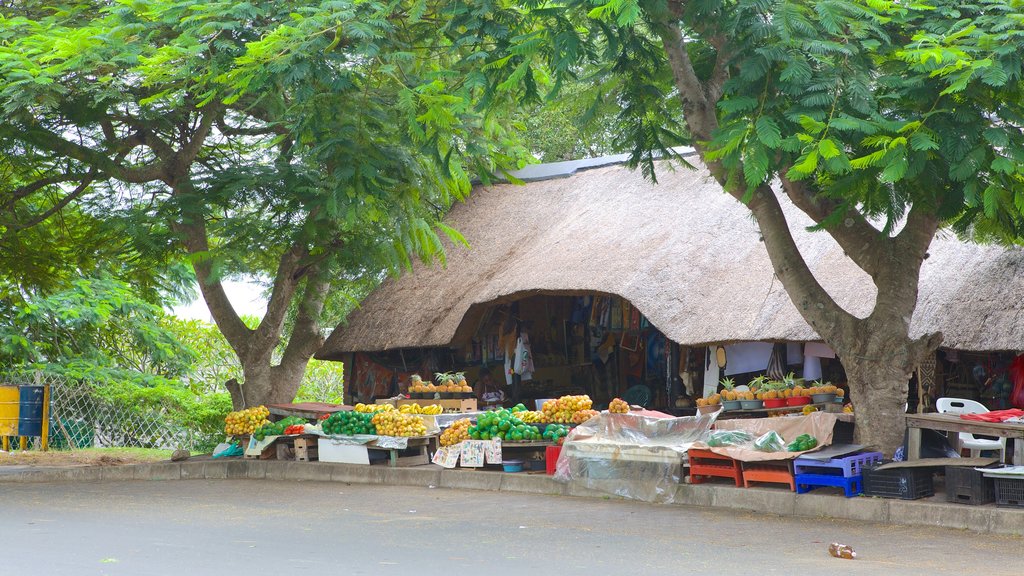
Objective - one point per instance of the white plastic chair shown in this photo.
(967, 440)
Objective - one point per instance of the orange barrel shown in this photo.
(9, 402)
(30, 413)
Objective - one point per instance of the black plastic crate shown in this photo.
(968, 486)
(902, 483)
(1010, 492)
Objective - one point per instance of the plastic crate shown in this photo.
(851, 485)
(1009, 492)
(902, 483)
(968, 486)
(847, 466)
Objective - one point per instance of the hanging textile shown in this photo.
(776, 366)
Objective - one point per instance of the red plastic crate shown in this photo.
(551, 454)
(706, 464)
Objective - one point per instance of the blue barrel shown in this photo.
(30, 411)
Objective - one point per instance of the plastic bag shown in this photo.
(770, 441)
(802, 442)
(225, 450)
(720, 438)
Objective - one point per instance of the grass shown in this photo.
(83, 457)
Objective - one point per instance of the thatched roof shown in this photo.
(683, 252)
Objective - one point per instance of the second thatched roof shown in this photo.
(688, 256)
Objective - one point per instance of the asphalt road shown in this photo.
(235, 527)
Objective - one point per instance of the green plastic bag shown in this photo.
(802, 442)
(770, 441)
(719, 438)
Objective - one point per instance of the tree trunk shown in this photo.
(878, 375)
(266, 384)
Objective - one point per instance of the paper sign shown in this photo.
(447, 456)
(472, 453)
(493, 451)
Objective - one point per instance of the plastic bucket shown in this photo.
(30, 413)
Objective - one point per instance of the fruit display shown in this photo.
(457, 432)
(295, 429)
(532, 416)
(372, 408)
(246, 421)
(277, 428)
(447, 382)
(561, 411)
(394, 423)
(714, 400)
(414, 408)
(618, 406)
(349, 423)
(556, 433)
(583, 415)
(503, 424)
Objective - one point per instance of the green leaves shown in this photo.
(768, 132)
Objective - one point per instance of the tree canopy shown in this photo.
(291, 139)
(881, 120)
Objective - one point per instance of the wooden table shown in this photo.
(954, 423)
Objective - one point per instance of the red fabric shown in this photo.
(1017, 377)
(994, 416)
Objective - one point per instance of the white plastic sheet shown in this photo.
(629, 455)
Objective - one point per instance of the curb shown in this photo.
(932, 513)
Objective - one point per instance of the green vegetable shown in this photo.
(719, 438)
(802, 442)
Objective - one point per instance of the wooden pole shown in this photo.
(46, 417)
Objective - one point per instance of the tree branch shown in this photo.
(306, 337)
(29, 189)
(196, 241)
(60, 204)
(54, 143)
(862, 242)
(286, 280)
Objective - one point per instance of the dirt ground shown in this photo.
(85, 457)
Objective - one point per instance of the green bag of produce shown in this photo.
(802, 442)
(770, 441)
(719, 438)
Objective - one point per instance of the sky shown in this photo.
(246, 297)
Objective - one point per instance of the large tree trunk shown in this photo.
(263, 381)
(878, 367)
(877, 351)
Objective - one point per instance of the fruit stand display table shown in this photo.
(526, 451)
(421, 447)
(954, 424)
(771, 471)
(461, 405)
(307, 410)
(302, 448)
(762, 412)
(706, 464)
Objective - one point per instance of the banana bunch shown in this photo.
(532, 417)
(372, 408)
(430, 410)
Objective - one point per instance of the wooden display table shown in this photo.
(448, 404)
(954, 423)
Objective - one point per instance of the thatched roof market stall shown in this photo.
(686, 257)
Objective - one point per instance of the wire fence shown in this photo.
(79, 418)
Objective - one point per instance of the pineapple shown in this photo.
(727, 388)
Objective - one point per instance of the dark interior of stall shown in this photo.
(548, 345)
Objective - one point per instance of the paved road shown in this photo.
(234, 527)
